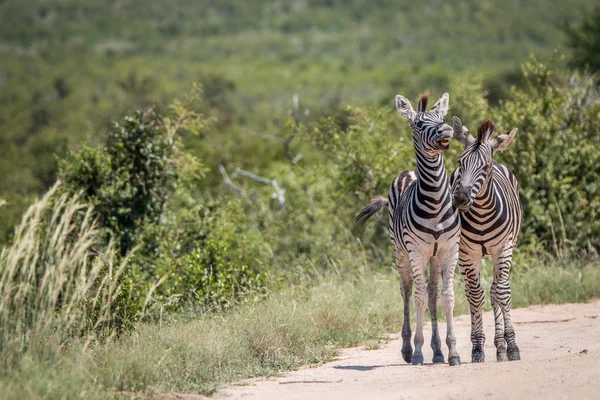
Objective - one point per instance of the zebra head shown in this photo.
(475, 164)
(430, 133)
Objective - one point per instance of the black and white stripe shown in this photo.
(424, 227)
(487, 194)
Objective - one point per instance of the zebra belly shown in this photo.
(428, 245)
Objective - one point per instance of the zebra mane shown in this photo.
(423, 103)
(484, 132)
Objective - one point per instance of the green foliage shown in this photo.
(207, 276)
(555, 156)
(129, 180)
(584, 39)
(203, 257)
(142, 185)
(370, 147)
(68, 68)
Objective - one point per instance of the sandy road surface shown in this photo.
(560, 351)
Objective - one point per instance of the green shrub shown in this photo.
(205, 259)
(129, 180)
(555, 156)
(206, 276)
(143, 187)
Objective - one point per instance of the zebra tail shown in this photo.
(374, 206)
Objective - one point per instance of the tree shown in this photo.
(130, 179)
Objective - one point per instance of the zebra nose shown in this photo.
(462, 196)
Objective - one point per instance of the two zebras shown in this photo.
(475, 215)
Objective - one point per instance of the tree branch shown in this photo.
(228, 182)
(279, 193)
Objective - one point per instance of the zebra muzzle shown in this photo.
(462, 198)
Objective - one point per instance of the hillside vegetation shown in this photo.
(68, 68)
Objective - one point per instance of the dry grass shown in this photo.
(52, 290)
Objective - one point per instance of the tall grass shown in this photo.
(54, 283)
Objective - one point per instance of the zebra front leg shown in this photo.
(502, 264)
(469, 268)
(418, 271)
(432, 290)
(406, 283)
(448, 268)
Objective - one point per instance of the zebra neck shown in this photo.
(487, 195)
(431, 173)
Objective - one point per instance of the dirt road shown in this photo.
(560, 351)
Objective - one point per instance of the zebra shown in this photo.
(424, 226)
(487, 195)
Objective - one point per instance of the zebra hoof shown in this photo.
(407, 353)
(501, 356)
(513, 353)
(477, 354)
(417, 359)
(454, 361)
(438, 359)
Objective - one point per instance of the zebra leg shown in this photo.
(418, 270)
(406, 283)
(499, 341)
(448, 268)
(469, 268)
(502, 264)
(432, 290)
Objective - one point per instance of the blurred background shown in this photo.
(226, 145)
(69, 68)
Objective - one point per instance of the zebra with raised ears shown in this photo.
(424, 227)
(487, 195)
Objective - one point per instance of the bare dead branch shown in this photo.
(286, 145)
(279, 193)
(251, 176)
(228, 182)
(267, 137)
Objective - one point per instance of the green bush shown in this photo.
(204, 257)
(555, 156)
(208, 277)
(129, 180)
(143, 187)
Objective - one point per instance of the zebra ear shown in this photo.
(404, 108)
(442, 105)
(461, 133)
(502, 141)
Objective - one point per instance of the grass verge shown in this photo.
(297, 326)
